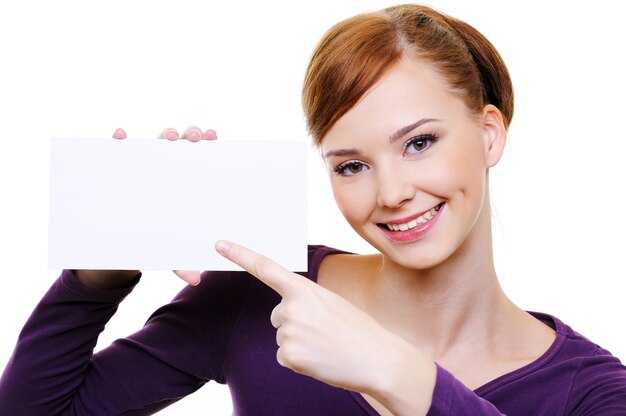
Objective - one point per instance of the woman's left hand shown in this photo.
(319, 333)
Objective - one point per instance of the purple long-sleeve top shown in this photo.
(220, 330)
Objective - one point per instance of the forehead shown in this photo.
(410, 90)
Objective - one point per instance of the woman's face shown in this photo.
(408, 165)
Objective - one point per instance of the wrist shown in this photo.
(106, 279)
(406, 381)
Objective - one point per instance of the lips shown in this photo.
(412, 228)
(412, 223)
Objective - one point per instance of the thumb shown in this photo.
(192, 277)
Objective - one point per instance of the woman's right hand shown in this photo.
(113, 279)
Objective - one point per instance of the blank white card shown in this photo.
(161, 205)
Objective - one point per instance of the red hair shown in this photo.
(355, 53)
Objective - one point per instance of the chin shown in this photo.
(418, 255)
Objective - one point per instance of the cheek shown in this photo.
(353, 201)
(456, 174)
(467, 177)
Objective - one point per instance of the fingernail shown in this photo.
(193, 135)
(209, 135)
(222, 247)
(119, 134)
(171, 135)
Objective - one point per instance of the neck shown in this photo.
(457, 303)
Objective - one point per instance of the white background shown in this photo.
(77, 68)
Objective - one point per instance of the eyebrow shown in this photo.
(393, 138)
(343, 152)
(406, 129)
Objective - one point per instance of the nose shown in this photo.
(394, 187)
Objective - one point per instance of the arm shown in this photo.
(322, 335)
(52, 370)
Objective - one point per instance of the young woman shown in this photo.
(410, 109)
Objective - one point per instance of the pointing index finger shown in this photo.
(263, 268)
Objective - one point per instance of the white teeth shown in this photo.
(415, 222)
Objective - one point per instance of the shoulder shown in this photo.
(597, 379)
(574, 376)
(344, 273)
(317, 254)
(569, 343)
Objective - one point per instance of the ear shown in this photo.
(494, 134)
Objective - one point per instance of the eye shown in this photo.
(419, 143)
(350, 168)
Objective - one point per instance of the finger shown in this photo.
(266, 270)
(280, 357)
(119, 134)
(275, 317)
(193, 134)
(279, 338)
(169, 134)
(192, 277)
(210, 134)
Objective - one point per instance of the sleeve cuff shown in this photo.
(451, 397)
(443, 393)
(71, 283)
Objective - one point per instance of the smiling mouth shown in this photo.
(422, 219)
